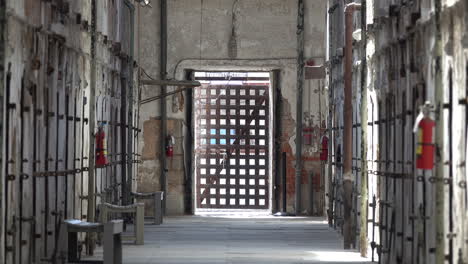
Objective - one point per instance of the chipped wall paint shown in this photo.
(198, 39)
(47, 55)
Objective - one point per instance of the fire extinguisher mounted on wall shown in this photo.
(170, 142)
(101, 148)
(101, 152)
(424, 129)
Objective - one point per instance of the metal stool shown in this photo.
(157, 197)
(112, 243)
(138, 209)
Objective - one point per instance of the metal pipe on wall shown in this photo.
(130, 130)
(330, 125)
(163, 69)
(300, 87)
(91, 123)
(331, 88)
(277, 121)
(439, 138)
(348, 124)
(2, 120)
(364, 176)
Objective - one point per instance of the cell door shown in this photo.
(231, 146)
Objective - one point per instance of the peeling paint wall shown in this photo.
(49, 144)
(401, 76)
(199, 34)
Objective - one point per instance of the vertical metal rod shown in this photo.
(278, 131)
(57, 143)
(163, 73)
(21, 166)
(34, 170)
(373, 245)
(83, 103)
(3, 160)
(46, 155)
(299, 93)
(394, 180)
(67, 113)
(331, 39)
(413, 173)
(348, 125)
(403, 171)
(91, 125)
(284, 181)
(364, 134)
(440, 126)
(423, 219)
(7, 156)
(450, 175)
(387, 145)
(379, 166)
(123, 138)
(130, 157)
(75, 147)
(189, 148)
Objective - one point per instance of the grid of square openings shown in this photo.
(232, 147)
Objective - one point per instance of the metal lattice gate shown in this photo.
(232, 146)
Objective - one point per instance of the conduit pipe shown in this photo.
(348, 123)
(300, 87)
(163, 73)
(363, 241)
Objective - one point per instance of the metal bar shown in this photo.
(373, 244)
(284, 180)
(299, 94)
(278, 130)
(67, 105)
(440, 126)
(57, 144)
(331, 88)
(450, 256)
(364, 135)
(34, 180)
(91, 125)
(163, 76)
(3, 160)
(21, 167)
(82, 103)
(123, 137)
(187, 84)
(348, 129)
(163, 96)
(381, 210)
(403, 170)
(189, 148)
(129, 68)
(75, 146)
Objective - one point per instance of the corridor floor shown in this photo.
(208, 239)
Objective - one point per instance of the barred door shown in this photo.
(232, 146)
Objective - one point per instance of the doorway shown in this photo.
(232, 140)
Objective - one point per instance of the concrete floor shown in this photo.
(240, 239)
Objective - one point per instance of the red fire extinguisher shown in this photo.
(170, 142)
(101, 151)
(324, 152)
(425, 148)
